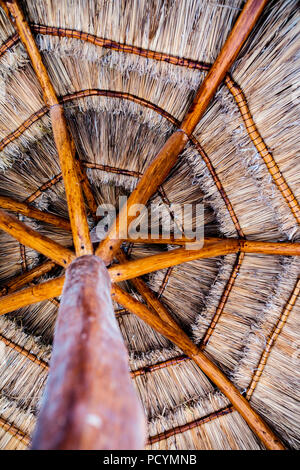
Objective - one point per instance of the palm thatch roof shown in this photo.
(126, 73)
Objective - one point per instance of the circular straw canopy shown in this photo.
(126, 73)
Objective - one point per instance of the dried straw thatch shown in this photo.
(250, 301)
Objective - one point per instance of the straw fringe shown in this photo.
(262, 149)
(223, 300)
(219, 431)
(272, 338)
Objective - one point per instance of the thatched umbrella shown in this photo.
(90, 93)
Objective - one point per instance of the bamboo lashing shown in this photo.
(262, 149)
(21, 350)
(165, 282)
(29, 237)
(272, 339)
(188, 426)
(178, 337)
(14, 431)
(44, 187)
(90, 402)
(223, 300)
(159, 365)
(25, 209)
(158, 170)
(61, 134)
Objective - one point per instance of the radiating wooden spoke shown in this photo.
(156, 315)
(29, 237)
(22, 279)
(178, 337)
(26, 209)
(64, 144)
(245, 246)
(160, 167)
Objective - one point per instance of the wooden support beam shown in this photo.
(22, 279)
(148, 239)
(14, 431)
(63, 141)
(31, 295)
(241, 30)
(270, 248)
(180, 339)
(87, 189)
(246, 246)
(160, 167)
(26, 209)
(153, 177)
(147, 294)
(139, 267)
(133, 269)
(120, 272)
(29, 237)
(89, 402)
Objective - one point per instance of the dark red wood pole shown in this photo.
(89, 401)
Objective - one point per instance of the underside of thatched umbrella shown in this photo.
(165, 102)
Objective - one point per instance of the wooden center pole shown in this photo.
(89, 401)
